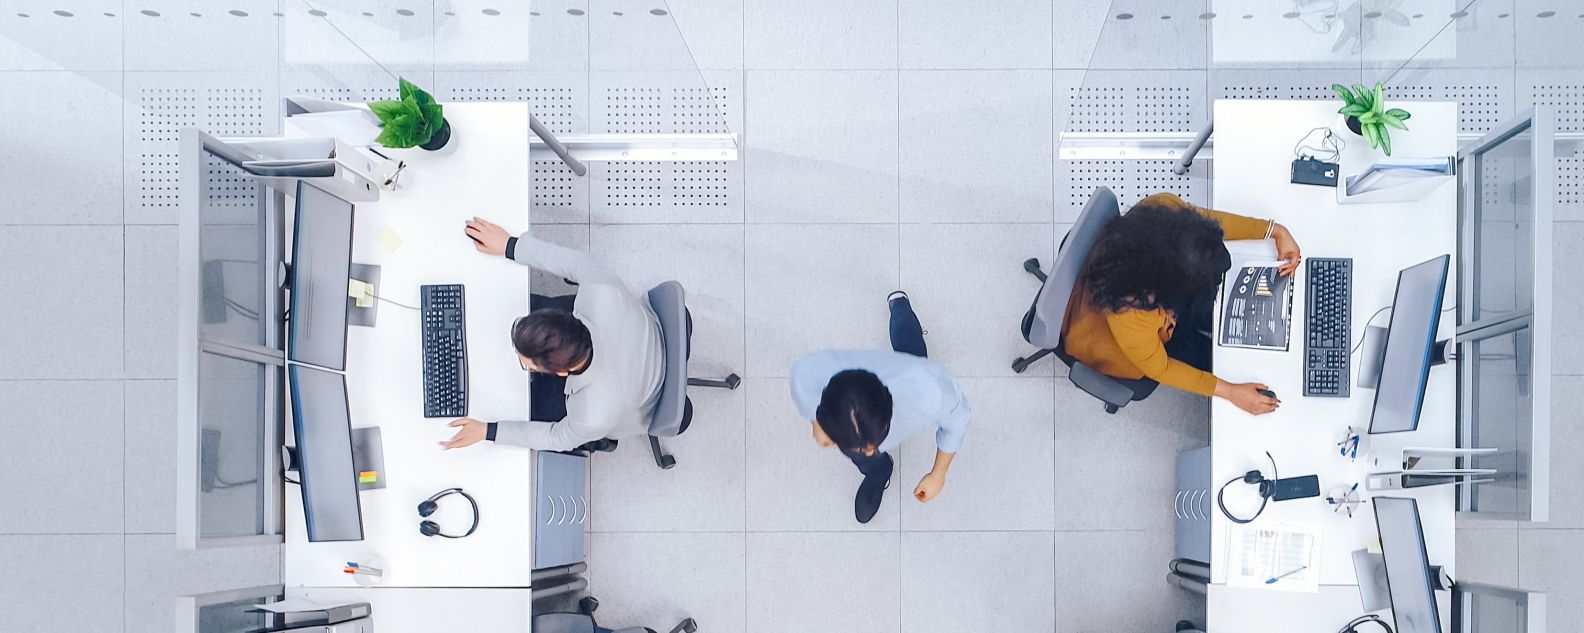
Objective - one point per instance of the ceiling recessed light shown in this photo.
(1373, 14)
(317, 13)
(240, 14)
(657, 11)
(150, 13)
(1545, 14)
(405, 12)
(1291, 14)
(575, 11)
(1207, 16)
(64, 14)
(492, 12)
(1124, 16)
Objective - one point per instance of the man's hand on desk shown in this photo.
(487, 237)
(472, 431)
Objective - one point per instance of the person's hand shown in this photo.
(472, 431)
(487, 237)
(1286, 249)
(929, 486)
(1247, 396)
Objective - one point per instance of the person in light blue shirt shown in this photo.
(867, 402)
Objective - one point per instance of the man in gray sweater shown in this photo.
(598, 360)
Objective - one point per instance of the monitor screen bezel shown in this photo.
(303, 476)
(1429, 350)
(1424, 556)
(346, 318)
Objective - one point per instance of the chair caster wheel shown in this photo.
(732, 381)
(666, 462)
(689, 626)
(588, 605)
(1112, 409)
(1031, 264)
(1019, 365)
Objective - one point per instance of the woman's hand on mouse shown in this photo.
(1286, 249)
(1247, 396)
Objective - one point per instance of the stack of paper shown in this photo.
(1281, 556)
(1415, 174)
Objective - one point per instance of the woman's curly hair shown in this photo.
(1153, 256)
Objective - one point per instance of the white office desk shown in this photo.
(1253, 144)
(484, 171)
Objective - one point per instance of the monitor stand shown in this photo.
(1373, 356)
(1370, 570)
(368, 458)
(363, 316)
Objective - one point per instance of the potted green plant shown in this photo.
(412, 120)
(1367, 115)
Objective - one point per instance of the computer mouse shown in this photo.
(1269, 394)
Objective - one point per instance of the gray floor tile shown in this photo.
(1477, 40)
(479, 34)
(708, 261)
(998, 480)
(1005, 582)
(1567, 439)
(34, 37)
(157, 572)
(1147, 38)
(656, 580)
(822, 146)
(813, 287)
(823, 582)
(568, 235)
(794, 485)
(49, 177)
(151, 301)
(1488, 556)
(63, 583)
(1549, 562)
(1116, 581)
(150, 456)
(359, 34)
(1134, 450)
(1540, 42)
(64, 468)
(968, 286)
(70, 325)
(246, 30)
(558, 36)
(705, 491)
(976, 146)
(1076, 27)
(821, 34)
(1567, 298)
(701, 34)
(938, 34)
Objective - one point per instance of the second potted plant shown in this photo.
(413, 120)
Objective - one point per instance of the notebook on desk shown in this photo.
(1256, 306)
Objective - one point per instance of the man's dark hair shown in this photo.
(553, 339)
(855, 411)
(1154, 256)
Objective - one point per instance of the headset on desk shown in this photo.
(428, 507)
(1352, 627)
(1267, 489)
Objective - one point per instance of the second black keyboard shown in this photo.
(444, 326)
(1328, 314)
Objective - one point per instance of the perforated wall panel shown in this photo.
(1139, 101)
(1565, 96)
(1130, 180)
(160, 105)
(665, 103)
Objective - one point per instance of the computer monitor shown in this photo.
(323, 426)
(1410, 340)
(320, 267)
(1409, 580)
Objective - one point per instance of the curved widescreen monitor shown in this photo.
(321, 263)
(1408, 577)
(1410, 340)
(325, 469)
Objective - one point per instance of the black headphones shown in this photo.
(1267, 488)
(428, 507)
(1352, 627)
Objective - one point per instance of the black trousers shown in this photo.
(907, 336)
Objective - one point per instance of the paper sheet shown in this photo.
(1285, 552)
(389, 239)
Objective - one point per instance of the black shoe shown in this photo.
(599, 446)
(870, 493)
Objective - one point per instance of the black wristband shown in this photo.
(489, 431)
(511, 248)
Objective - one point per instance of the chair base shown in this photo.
(729, 382)
(1032, 265)
(1023, 363)
(662, 459)
(685, 626)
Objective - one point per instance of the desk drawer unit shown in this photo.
(1193, 503)
(561, 509)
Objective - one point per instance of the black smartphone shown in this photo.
(1297, 488)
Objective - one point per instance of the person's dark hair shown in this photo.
(1153, 256)
(553, 339)
(855, 411)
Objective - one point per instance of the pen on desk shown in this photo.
(1272, 580)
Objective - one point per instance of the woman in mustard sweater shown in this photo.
(1146, 296)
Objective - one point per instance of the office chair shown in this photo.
(674, 412)
(1042, 324)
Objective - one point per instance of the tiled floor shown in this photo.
(886, 144)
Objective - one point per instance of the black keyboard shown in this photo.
(1328, 312)
(444, 351)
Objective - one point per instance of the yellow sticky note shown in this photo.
(389, 239)
(362, 291)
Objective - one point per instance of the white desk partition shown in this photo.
(415, 234)
(1254, 142)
